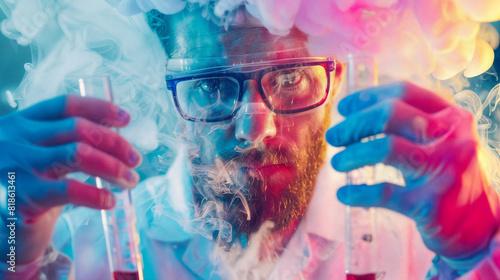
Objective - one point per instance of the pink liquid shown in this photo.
(369, 276)
(125, 275)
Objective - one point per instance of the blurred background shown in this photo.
(12, 60)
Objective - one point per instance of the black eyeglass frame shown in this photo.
(329, 64)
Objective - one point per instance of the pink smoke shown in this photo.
(441, 38)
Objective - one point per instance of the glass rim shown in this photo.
(328, 64)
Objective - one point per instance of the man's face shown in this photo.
(258, 165)
(268, 161)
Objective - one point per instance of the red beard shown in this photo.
(275, 183)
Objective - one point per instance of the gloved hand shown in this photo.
(43, 143)
(436, 146)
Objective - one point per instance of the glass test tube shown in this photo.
(361, 239)
(122, 239)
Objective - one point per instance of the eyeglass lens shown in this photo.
(295, 88)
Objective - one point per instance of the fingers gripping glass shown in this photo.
(286, 89)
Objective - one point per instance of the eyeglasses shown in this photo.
(286, 86)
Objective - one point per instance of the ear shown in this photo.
(336, 79)
(339, 74)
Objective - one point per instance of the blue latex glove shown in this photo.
(436, 146)
(42, 144)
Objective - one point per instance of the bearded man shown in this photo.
(251, 113)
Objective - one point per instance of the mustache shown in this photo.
(262, 155)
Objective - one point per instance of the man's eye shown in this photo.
(210, 85)
(288, 78)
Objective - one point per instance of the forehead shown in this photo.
(189, 35)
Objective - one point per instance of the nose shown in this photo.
(254, 120)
